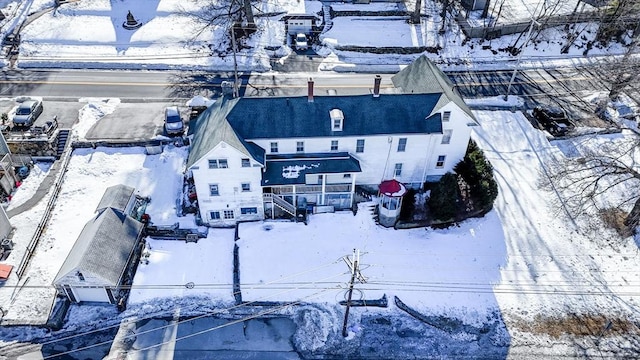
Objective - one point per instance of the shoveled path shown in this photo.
(41, 192)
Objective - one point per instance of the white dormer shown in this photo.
(337, 119)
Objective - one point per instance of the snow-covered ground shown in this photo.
(527, 260)
(173, 35)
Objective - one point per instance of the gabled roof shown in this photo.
(232, 120)
(292, 169)
(296, 117)
(116, 197)
(212, 127)
(424, 77)
(104, 247)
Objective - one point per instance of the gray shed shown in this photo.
(104, 253)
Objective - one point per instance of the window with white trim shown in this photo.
(218, 164)
(446, 136)
(246, 163)
(397, 169)
(299, 146)
(402, 144)
(334, 145)
(228, 214)
(446, 116)
(360, 145)
(214, 190)
(274, 147)
(346, 176)
(440, 162)
(248, 211)
(246, 187)
(214, 215)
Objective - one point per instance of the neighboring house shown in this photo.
(254, 157)
(106, 251)
(299, 23)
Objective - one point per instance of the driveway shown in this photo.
(129, 121)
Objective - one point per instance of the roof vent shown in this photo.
(337, 119)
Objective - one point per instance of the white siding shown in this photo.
(379, 156)
(296, 26)
(229, 182)
(457, 147)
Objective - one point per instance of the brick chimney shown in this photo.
(376, 86)
(310, 90)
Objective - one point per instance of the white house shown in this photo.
(254, 157)
(105, 252)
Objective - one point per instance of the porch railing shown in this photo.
(312, 189)
(279, 202)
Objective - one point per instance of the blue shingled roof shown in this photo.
(292, 169)
(295, 117)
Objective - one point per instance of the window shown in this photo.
(334, 145)
(248, 211)
(337, 124)
(246, 187)
(80, 276)
(440, 162)
(213, 190)
(218, 164)
(246, 163)
(319, 179)
(446, 136)
(300, 146)
(402, 144)
(360, 145)
(214, 215)
(228, 214)
(346, 176)
(274, 147)
(398, 169)
(446, 116)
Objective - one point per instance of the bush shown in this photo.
(477, 172)
(443, 202)
(408, 205)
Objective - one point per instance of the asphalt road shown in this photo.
(564, 86)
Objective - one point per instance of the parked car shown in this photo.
(301, 42)
(27, 113)
(552, 119)
(173, 121)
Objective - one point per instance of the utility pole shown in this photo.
(354, 266)
(515, 70)
(235, 60)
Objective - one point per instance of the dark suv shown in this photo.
(554, 120)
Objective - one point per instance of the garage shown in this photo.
(86, 294)
(105, 253)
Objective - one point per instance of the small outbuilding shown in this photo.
(391, 193)
(104, 256)
(299, 23)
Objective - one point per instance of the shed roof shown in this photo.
(424, 77)
(104, 247)
(116, 197)
(292, 169)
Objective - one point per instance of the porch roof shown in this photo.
(292, 169)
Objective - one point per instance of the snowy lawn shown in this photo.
(357, 31)
(554, 267)
(89, 173)
(425, 268)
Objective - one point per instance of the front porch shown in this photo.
(295, 185)
(295, 200)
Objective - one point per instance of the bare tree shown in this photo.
(237, 15)
(591, 180)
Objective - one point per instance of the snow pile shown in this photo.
(91, 113)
